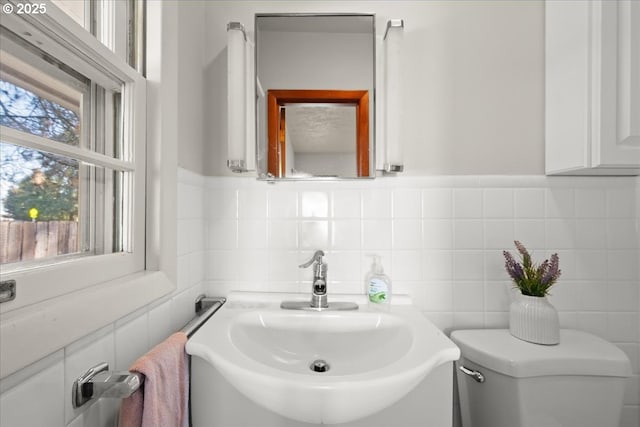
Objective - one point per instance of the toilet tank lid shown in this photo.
(579, 353)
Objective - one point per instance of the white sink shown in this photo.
(374, 358)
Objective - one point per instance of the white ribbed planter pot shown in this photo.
(534, 319)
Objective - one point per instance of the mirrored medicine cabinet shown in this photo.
(315, 82)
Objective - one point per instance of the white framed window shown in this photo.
(125, 257)
(73, 133)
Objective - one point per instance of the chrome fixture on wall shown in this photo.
(393, 161)
(240, 102)
(99, 382)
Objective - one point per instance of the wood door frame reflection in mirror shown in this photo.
(276, 98)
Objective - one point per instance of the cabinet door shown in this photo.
(615, 101)
(592, 105)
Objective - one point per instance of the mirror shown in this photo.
(315, 79)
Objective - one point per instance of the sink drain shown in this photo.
(319, 366)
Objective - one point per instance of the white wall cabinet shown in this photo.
(592, 88)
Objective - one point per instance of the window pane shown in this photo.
(55, 204)
(51, 205)
(23, 110)
(39, 104)
(38, 204)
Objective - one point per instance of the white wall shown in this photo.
(190, 99)
(289, 60)
(327, 164)
(472, 81)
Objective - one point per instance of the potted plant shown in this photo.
(531, 316)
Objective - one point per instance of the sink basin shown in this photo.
(320, 367)
(352, 344)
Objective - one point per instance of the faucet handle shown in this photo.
(317, 257)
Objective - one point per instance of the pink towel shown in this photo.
(163, 399)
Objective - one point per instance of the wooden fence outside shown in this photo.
(24, 240)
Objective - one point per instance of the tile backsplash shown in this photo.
(441, 241)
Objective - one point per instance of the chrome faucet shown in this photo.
(318, 290)
(319, 286)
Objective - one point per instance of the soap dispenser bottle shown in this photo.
(378, 284)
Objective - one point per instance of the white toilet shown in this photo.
(507, 382)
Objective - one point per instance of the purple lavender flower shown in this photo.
(526, 257)
(530, 278)
(553, 271)
(543, 268)
(513, 267)
(520, 247)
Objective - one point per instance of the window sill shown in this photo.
(31, 333)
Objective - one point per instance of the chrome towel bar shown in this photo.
(205, 308)
(99, 382)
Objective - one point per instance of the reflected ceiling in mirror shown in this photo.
(328, 53)
(321, 138)
(317, 128)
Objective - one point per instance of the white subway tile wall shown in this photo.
(40, 395)
(441, 241)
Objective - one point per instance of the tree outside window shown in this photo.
(36, 185)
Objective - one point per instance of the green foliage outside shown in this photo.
(55, 198)
(32, 178)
